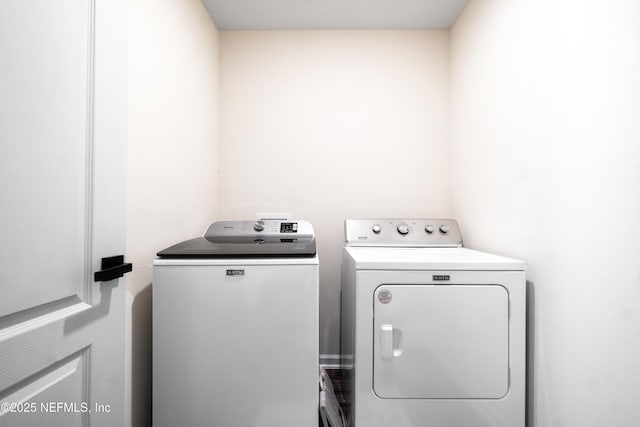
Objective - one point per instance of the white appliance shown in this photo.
(433, 334)
(235, 327)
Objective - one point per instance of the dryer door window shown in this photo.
(441, 341)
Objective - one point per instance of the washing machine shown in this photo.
(235, 327)
(433, 334)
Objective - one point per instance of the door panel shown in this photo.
(58, 392)
(62, 163)
(43, 156)
(441, 341)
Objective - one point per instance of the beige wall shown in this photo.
(546, 167)
(541, 100)
(330, 125)
(173, 155)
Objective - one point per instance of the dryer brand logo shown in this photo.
(235, 272)
(441, 277)
(385, 296)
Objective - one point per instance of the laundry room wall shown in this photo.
(545, 136)
(173, 155)
(330, 125)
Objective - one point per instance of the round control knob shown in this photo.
(376, 228)
(403, 229)
(444, 229)
(258, 226)
(429, 228)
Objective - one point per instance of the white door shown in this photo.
(441, 341)
(62, 182)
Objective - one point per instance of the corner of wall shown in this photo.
(174, 135)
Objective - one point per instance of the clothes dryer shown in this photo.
(235, 327)
(433, 334)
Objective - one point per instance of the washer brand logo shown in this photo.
(441, 278)
(235, 272)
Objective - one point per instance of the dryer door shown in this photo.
(441, 341)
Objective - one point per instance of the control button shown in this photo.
(444, 229)
(258, 226)
(376, 228)
(403, 229)
(429, 228)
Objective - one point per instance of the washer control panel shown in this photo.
(239, 230)
(403, 232)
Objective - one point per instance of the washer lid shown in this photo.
(248, 239)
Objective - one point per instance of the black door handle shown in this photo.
(112, 268)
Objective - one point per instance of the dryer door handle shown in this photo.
(390, 341)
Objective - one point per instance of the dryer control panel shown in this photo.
(429, 233)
